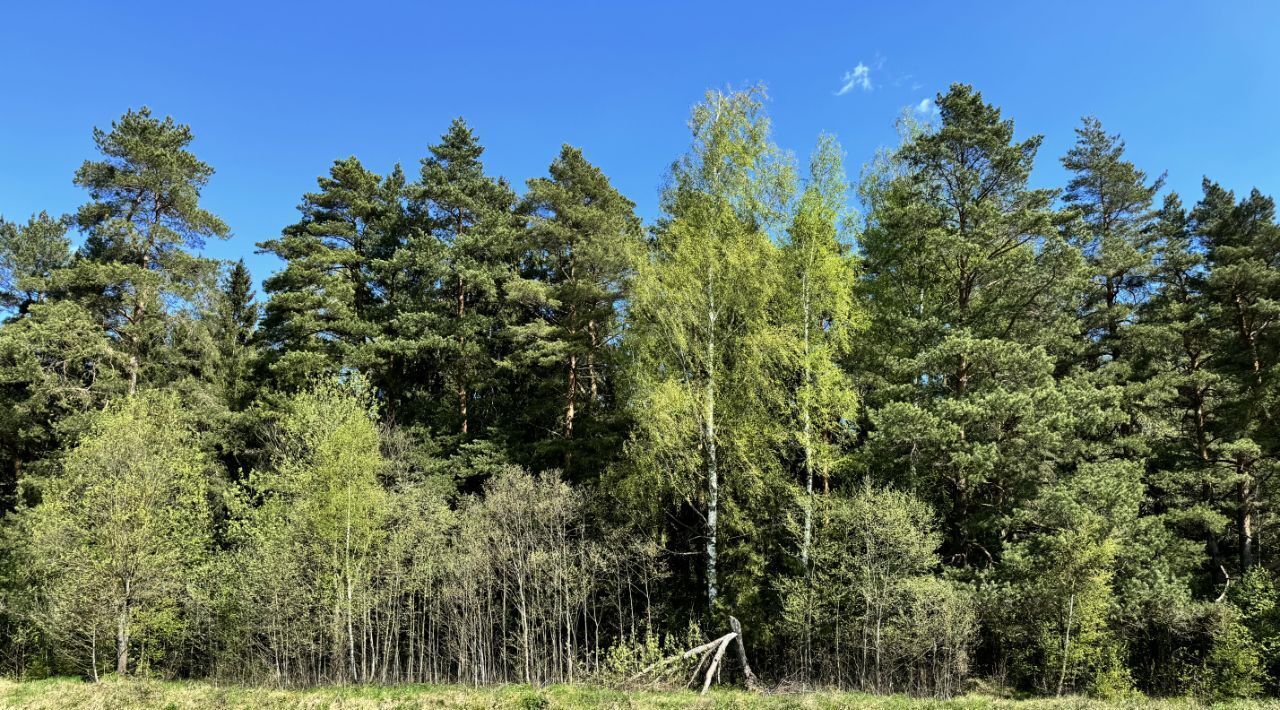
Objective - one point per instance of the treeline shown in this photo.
(979, 432)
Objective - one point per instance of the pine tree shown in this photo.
(1115, 201)
(1175, 353)
(1242, 299)
(584, 243)
(471, 217)
(326, 308)
(970, 287)
(143, 216)
(29, 254)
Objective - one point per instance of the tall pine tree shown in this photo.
(584, 242)
(143, 217)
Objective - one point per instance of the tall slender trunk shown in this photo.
(709, 433)
(462, 380)
(808, 425)
(1066, 641)
(122, 633)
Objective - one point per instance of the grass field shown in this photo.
(60, 693)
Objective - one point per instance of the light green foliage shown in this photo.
(119, 540)
(1259, 603)
(989, 436)
(1054, 616)
(311, 544)
(1230, 667)
(871, 613)
(817, 318)
(702, 344)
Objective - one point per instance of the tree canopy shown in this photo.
(932, 426)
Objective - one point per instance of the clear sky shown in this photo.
(276, 91)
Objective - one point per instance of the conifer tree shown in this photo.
(970, 290)
(584, 243)
(234, 324)
(1242, 298)
(29, 254)
(327, 306)
(1114, 199)
(471, 216)
(143, 216)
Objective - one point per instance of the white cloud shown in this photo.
(859, 78)
(927, 108)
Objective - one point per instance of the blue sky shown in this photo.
(276, 92)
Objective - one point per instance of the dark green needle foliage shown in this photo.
(583, 245)
(322, 315)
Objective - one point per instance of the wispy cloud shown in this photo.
(859, 78)
(927, 108)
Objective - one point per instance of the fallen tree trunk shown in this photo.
(699, 651)
(705, 652)
(715, 662)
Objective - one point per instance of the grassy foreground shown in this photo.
(59, 693)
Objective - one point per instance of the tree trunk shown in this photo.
(713, 473)
(591, 361)
(1245, 504)
(122, 640)
(805, 404)
(570, 408)
(462, 387)
(752, 682)
(1066, 642)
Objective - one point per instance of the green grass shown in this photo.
(60, 693)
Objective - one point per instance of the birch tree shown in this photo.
(702, 342)
(121, 531)
(818, 320)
